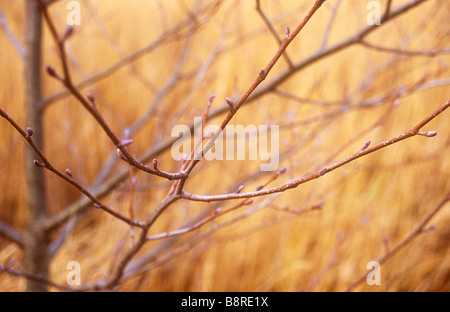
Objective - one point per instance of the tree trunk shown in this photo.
(36, 260)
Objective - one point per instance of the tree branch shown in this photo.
(15, 42)
(66, 80)
(105, 188)
(272, 30)
(67, 176)
(159, 42)
(260, 78)
(293, 184)
(12, 234)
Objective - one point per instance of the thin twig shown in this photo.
(215, 214)
(295, 183)
(272, 30)
(260, 78)
(330, 25)
(387, 10)
(66, 80)
(172, 197)
(15, 42)
(33, 277)
(312, 59)
(65, 176)
(415, 233)
(105, 188)
(404, 52)
(12, 234)
(160, 41)
(118, 274)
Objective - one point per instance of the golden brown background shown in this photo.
(383, 195)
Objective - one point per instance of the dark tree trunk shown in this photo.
(36, 243)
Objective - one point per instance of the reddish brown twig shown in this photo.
(216, 213)
(106, 187)
(260, 78)
(295, 183)
(172, 197)
(164, 38)
(67, 177)
(66, 80)
(12, 234)
(118, 272)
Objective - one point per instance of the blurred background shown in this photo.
(163, 59)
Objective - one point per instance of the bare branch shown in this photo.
(47, 165)
(345, 43)
(34, 277)
(172, 197)
(15, 42)
(216, 213)
(66, 80)
(273, 31)
(388, 9)
(330, 25)
(104, 188)
(126, 262)
(260, 78)
(405, 52)
(159, 42)
(293, 184)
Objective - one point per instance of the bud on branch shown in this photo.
(38, 164)
(230, 103)
(288, 32)
(68, 33)
(428, 134)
